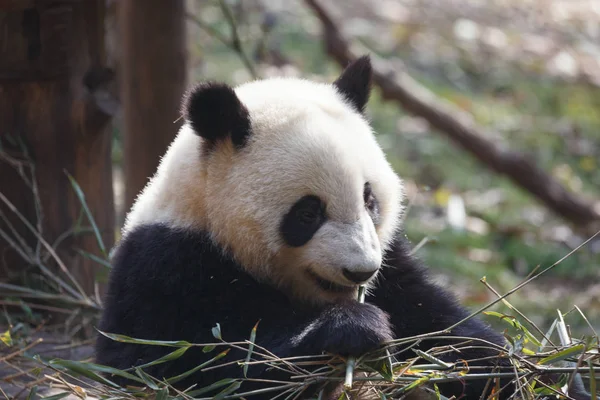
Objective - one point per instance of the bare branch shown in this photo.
(459, 126)
(234, 43)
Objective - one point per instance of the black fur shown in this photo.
(355, 82)
(173, 285)
(371, 204)
(215, 113)
(301, 222)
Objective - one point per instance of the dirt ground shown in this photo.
(18, 373)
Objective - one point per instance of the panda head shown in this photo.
(287, 176)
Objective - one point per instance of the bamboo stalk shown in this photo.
(350, 364)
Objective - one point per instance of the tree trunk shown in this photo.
(152, 80)
(54, 108)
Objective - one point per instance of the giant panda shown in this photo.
(272, 205)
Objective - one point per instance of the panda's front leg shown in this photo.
(348, 329)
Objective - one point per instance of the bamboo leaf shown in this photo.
(162, 394)
(32, 393)
(515, 324)
(81, 197)
(389, 366)
(127, 339)
(528, 352)
(344, 396)
(250, 349)
(230, 389)
(561, 355)
(169, 357)
(438, 394)
(216, 331)
(80, 369)
(208, 349)
(381, 365)
(6, 338)
(76, 365)
(197, 368)
(146, 378)
(210, 388)
(549, 333)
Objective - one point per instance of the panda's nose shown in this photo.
(358, 276)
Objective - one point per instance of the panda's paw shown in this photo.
(351, 329)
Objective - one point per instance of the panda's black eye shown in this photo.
(303, 220)
(368, 196)
(371, 203)
(307, 216)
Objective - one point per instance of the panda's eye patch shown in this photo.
(371, 203)
(307, 216)
(303, 220)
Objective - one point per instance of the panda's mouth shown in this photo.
(329, 286)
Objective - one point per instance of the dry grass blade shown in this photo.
(524, 283)
(234, 43)
(25, 292)
(24, 248)
(593, 385)
(419, 245)
(80, 293)
(88, 213)
(20, 351)
(513, 308)
(587, 322)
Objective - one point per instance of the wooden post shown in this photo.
(152, 81)
(54, 108)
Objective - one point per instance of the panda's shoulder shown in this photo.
(160, 242)
(160, 254)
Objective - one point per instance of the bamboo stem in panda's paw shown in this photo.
(351, 362)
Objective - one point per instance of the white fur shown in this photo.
(305, 140)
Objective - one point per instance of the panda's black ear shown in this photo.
(355, 82)
(215, 113)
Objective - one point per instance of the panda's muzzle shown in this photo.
(344, 255)
(358, 277)
(329, 286)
